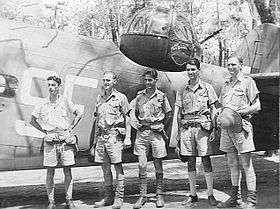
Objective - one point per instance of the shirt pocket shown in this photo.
(157, 106)
(238, 97)
(114, 107)
(202, 101)
(187, 102)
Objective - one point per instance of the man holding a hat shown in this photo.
(240, 99)
(196, 102)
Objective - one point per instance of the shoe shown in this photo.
(212, 200)
(190, 201)
(103, 202)
(250, 205)
(51, 205)
(140, 202)
(117, 203)
(251, 200)
(108, 199)
(70, 205)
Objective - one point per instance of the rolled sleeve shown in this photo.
(125, 104)
(178, 101)
(212, 96)
(71, 107)
(252, 90)
(36, 112)
(167, 107)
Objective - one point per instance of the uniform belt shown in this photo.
(246, 117)
(191, 124)
(58, 142)
(105, 133)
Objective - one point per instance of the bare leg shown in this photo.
(50, 183)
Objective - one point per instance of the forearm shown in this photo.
(76, 120)
(36, 125)
(255, 107)
(178, 112)
(127, 128)
(167, 120)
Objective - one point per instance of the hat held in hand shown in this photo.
(230, 119)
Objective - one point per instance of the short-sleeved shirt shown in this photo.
(58, 115)
(240, 94)
(151, 109)
(112, 111)
(195, 101)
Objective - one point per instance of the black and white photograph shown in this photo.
(139, 104)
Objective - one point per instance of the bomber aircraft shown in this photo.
(28, 55)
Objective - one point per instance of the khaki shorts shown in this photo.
(238, 142)
(194, 141)
(147, 138)
(108, 149)
(55, 154)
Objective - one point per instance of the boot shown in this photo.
(51, 205)
(109, 198)
(70, 205)
(118, 202)
(143, 193)
(212, 200)
(232, 201)
(251, 199)
(159, 191)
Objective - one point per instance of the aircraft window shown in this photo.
(8, 85)
(159, 24)
(138, 25)
(179, 33)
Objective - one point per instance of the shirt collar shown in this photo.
(113, 94)
(56, 102)
(239, 77)
(197, 86)
(154, 94)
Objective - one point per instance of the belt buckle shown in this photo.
(106, 136)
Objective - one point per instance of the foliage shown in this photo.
(105, 19)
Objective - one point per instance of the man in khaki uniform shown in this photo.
(152, 111)
(196, 102)
(113, 133)
(53, 117)
(241, 94)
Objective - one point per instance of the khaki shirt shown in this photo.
(151, 109)
(58, 115)
(240, 94)
(112, 111)
(195, 102)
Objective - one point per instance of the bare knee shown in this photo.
(67, 173)
(191, 164)
(232, 160)
(206, 161)
(106, 168)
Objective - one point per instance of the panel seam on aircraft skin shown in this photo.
(32, 52)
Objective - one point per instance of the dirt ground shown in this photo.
(25, 189)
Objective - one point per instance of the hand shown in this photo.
(127, 143)
(92, 151)
(212, 135)
(177, 151)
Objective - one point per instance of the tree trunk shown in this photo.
(112, 22)
(264, 10)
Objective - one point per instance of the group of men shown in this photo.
(149, 113)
